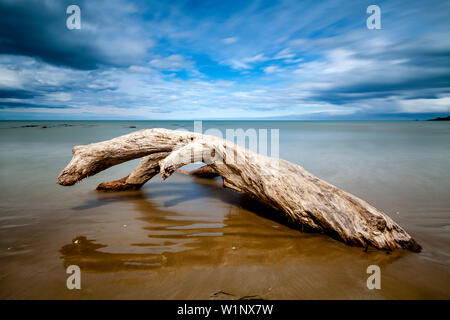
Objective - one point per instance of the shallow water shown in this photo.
(190, 238)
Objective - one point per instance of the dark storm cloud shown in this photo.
(17, 94)
(33, 28)
(430, 87)
(29, 105)
(38, 29)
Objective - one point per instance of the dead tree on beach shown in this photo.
(306, 200)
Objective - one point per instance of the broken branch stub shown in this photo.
(307, 200)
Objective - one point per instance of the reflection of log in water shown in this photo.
(244, 236)
(85, 254)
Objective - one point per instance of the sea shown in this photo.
(190, 238)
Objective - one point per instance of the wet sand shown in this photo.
(188, 238)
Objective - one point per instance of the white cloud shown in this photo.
(173, 62)
(9, 78)
(230, 40)
(284, 54)
(271, 69)
(140, 69)
(294, 60)
(237, 65)
(255, 59)
(441, 104)
(245, 63)
(59, 96)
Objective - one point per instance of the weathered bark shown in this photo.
(304, 198)
(147, 169)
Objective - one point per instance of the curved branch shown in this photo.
(147, 169)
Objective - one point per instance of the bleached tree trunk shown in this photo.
(147, 169)
(305, 199)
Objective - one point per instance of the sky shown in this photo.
(158, 60)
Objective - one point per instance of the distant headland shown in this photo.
(440, 119)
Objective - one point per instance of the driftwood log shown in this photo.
(306, 200)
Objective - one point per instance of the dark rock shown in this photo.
(440, 119)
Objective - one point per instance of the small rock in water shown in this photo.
(222, 295)
(125, 226)
(233, 248)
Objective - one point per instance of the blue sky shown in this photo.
(224, 60)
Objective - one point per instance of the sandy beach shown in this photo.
(188, 238)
